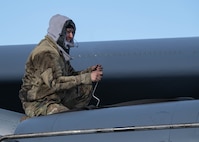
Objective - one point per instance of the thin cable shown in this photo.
(93, 94)
(76, 44)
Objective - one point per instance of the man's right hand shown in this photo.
(96, 75)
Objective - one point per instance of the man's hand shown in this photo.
(97, 73)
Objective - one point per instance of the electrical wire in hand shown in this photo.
(93, 94)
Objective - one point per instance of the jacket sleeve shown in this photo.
(51, 73)
(73, 72)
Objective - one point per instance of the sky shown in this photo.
(26, 21)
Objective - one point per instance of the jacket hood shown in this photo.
(57, 29)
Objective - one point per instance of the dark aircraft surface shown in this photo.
(133, 69)
(153, 83)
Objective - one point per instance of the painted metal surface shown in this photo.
(9, 121)
(143, 69)
(166, 113)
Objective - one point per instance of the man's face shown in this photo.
(69, 34)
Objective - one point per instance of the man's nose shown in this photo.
(71, 35)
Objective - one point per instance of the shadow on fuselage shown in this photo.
(114, 91)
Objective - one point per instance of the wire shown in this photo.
(93, 94)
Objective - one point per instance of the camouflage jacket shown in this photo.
(48, 75)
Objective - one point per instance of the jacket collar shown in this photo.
(66, 56)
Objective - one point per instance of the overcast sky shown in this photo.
(26, 21)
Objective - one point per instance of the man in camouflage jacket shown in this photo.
(50, 84)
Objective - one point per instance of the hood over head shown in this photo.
(57, 30)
